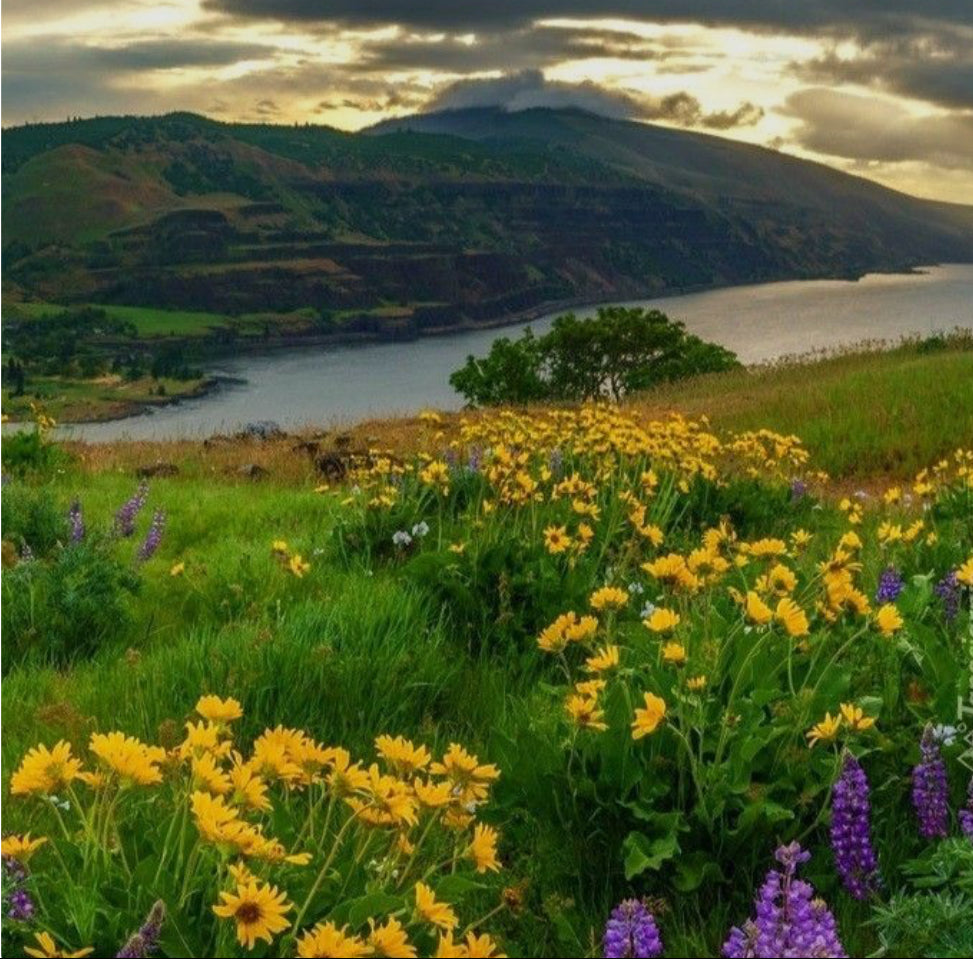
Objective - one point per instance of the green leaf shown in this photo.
(642, 852)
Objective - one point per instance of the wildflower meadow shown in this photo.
(568, 681)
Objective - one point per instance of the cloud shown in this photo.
(527, 89)
(860, 17)
(868, 129)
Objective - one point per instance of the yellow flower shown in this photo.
(402, 754)
(433, 795)
(964, 574)
(800, 539)
(466, 773)
(556, 539)
(45, 771)
(696, 683)
(208, 775)
(673, 570)
(604, 659)
(390, 940)
(298, 565)
(434, 912)
(480, 947)
(21, 848)
(662, 620)
(483, 848)
(888, 619)
(674, 653)
(792, 616)
(177, 569)
(647, 720)
(280, 546)
(47, 948)
(329, 942)
(608, 598)
(346, 777)
(855, 717)
(765, 547)
(584, 712)
(258, 910)
(218, 710)
(757, 610)
(824, 731)
(130, 759)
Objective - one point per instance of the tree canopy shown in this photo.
(616, 352)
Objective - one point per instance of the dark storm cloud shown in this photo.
(865, 17)
(863, 128)
(529, 88)
(934, 67)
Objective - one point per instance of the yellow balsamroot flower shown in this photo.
(466, 772)
(209, 776)
(590, 687)
(780, 580)
(21, 848)
(585, 713)
(346, 777)
(696, 683)
(436, 474)
(756, 610)
(800, 539)
(888, 619)
(280, 546)
(674, 653)
(390, 802)
(556, 539)
(662, 620)
(964, 574)
(483, 849)
(433, 795)
(474, 947)
(583, 629)
(824, 731)
(326, 939)
(913, 531)
(298, 565)
(855, 717)
(647, 720)
(129, 758)
(792, 617)
(45, 771)
(47, 948)
(258, 910)
(672, 570)
(850, 541)
(608, 598)
(248, 788)
(406, 758)
(204, 738)
(177, 569)
(765, 547)
(605, 659)
(433, 911)
(889, 533)
(218, 710)
(390, 940)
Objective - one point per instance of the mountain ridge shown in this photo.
(478, 215)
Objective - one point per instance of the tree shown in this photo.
(614, 353)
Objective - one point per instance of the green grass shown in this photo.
(150, 322)
(860, 413)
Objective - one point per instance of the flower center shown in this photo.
(248, 913)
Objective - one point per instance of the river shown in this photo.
(325, 386)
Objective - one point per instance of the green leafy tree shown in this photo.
(614, 353)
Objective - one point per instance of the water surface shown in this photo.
(329, 385)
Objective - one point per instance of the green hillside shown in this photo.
(431, 222)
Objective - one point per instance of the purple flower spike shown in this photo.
(890, 586)
(948, 590)
(129, 510)
(76, 519)
(146, 941)
(966, 814)
(930, 789)
(154, 536)
(631, 932)
(788, 919)
(851, 839)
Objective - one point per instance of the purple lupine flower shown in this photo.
(966, 814)
(154, 536)
(129, 510)
(76, 519)
(930, 789)
(788, 919)
(851, 838)
(798, 489)
(475, 459)
(948, 590)
(18, 903)
(631, 931)
(145, 941)
(890, 586)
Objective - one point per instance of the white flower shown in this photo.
(420, 529)
(647, 610)
(945, 734)
(401, 538)
(636, 589)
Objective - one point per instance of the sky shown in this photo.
(879, 88)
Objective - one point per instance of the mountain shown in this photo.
(431, 221)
